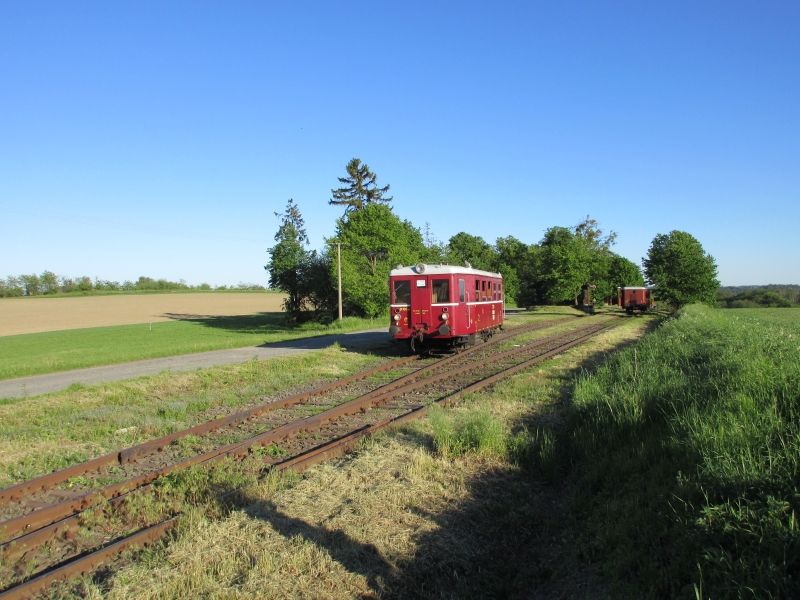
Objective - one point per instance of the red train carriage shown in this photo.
(635, 298)
(444, 304)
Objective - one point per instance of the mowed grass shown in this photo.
(36, 353)
(684, 457)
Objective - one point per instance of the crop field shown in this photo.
(38, 314)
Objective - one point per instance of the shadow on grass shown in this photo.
(310, 335)
(266, 322)
(354, 556)
(505, 540)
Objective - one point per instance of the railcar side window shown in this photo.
(462, 290)
(402, 292)
(441, 290)
(484, 295)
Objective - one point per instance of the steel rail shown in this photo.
(46, 482)
(87, 563)
(28, 530)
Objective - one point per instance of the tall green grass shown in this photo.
(461, 433)
(683, 452)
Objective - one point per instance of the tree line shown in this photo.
(48, 283)
(761, 296)
(372, 240)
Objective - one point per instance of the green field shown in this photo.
(36, 353)
(683, 454)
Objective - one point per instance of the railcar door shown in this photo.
(420, 303)
(463, 300)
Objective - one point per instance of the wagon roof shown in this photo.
(440, 270)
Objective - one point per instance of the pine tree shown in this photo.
(360, 188)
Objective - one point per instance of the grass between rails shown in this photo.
(37, 353)
(48, 432)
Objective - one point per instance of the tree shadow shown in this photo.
(373, 342)
(354, 556)
(265, 322)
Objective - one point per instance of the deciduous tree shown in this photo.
(680, 269)
(465, 247)
(566, 263)
(288, 260)
(373, 240)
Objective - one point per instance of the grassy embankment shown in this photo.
(684, 455)
(36, 353)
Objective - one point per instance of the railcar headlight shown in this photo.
(396, 316)
(445, 316)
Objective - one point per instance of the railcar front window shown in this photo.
(441, 290)
(462, 290)
(402, 292)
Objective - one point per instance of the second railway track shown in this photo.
(43, 515)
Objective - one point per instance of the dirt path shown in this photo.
(53, 382)
(34, 315)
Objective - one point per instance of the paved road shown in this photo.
(52, 382)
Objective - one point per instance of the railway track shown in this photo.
(43, 516)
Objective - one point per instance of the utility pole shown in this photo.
(339, 270)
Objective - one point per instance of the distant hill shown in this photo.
(754, 296)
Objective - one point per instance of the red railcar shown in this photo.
(444, 304)
(635, 298)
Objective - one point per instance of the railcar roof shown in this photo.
(441, 270)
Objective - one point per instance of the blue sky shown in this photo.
(158, 138)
